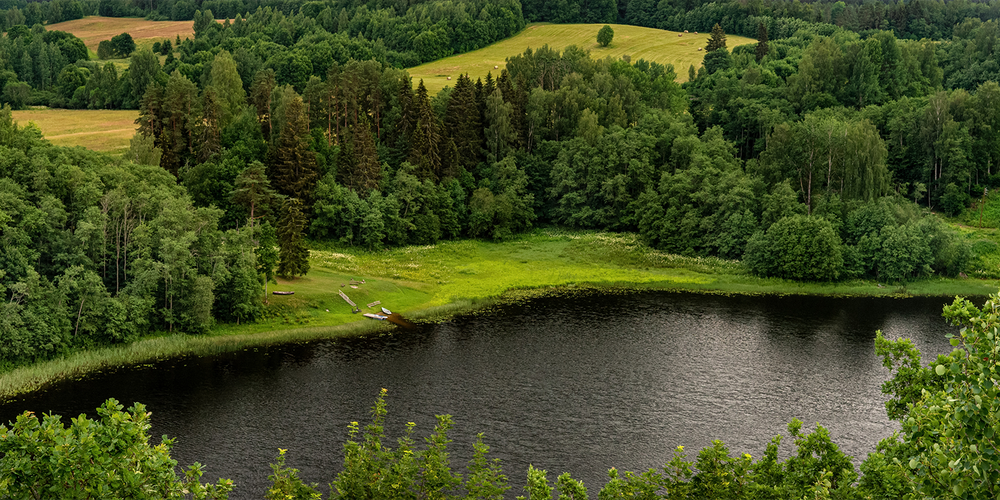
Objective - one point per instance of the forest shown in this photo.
(817, 154)
(825, 152)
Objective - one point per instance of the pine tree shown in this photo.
(462, 123)
(210, 126)
(718, 39)
(762, 48)
(181, 103)
(260, 97)
(253, 191)
(425, 144)
(499, 133)
(294, 256)
(367, 169)
(514, 93)
(151, 112)
(295, 169)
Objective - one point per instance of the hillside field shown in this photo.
(93, 29)
(661, 46)
(104, 130)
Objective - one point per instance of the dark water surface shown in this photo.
(577, 384)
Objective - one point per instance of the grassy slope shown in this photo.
(646, 43)
(93, 29)
(430, 282)
(100, 130)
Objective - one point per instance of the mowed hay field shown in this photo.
(664, 47)
(93, 29)
(98, 129)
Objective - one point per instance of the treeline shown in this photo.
(295, 46)
(561, 138)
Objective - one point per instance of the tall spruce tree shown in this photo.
(295, 169)
(462, 123)
(425, 145)
(294, 256)
(718, 39)
(762, 48)
(260, 97)
(358, 165)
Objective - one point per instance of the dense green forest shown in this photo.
(946, 448)
(815, 155)
(818, 154)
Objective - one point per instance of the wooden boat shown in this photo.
(375, 316)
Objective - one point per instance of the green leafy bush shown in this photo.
(107, 458)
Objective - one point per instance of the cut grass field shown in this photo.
(664, 47)
(97, 129)
(93, 29)
(435, 281)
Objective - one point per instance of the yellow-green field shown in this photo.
(93, 29)
(98, 129)
(661, 46)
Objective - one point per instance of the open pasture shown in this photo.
(97, 129)
(664, 47)
(93, 29)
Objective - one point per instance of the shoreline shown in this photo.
(430, 303)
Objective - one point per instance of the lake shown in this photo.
(577, 383)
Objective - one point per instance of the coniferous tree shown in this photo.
(295, 169)
(718, 39)
(514, 93)
(294, 256)
(500, 132)
(210, 133)
(367, 170)
(253, 191)
(151, 113)
(180, 103)
(425, 145)
(762, 48)
(260, 97)
(462, 123)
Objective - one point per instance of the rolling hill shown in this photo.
(665, 47)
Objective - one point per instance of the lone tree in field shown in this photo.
(605, 35)
(718, 40)
(123, 45)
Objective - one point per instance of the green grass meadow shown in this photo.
(665, 47)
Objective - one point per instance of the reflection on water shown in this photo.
(576, 384)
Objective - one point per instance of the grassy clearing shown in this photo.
(436, 281)
(661, 46)
(93, 29)
(98, 129)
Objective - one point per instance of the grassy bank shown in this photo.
(436, 281)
